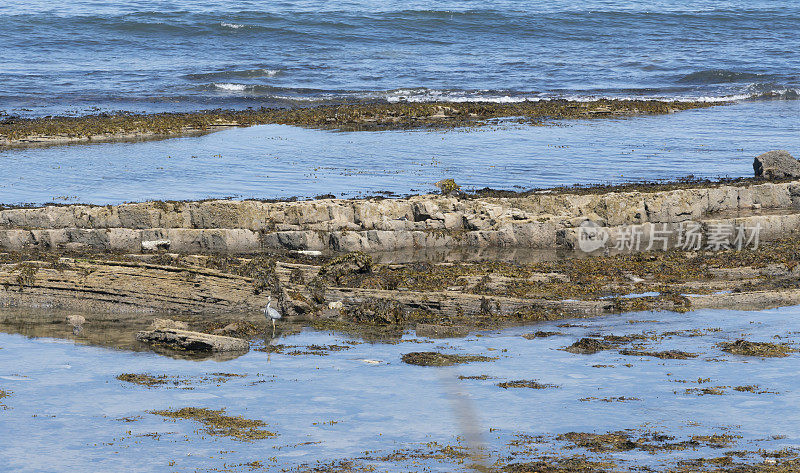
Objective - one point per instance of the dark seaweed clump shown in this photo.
(143, 379)
(525, 383)
(434, 358)
(664, 355)
(763, 349)
(540, 334)
(587, 346)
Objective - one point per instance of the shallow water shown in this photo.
(67, 410)
(276, 161)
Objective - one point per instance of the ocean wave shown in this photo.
(422, 95)
(234, 26)
(231, 87)
(235, 74)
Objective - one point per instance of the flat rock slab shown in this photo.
(192, 341)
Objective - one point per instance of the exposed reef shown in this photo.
(16, 131)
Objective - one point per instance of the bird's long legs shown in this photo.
(273, 328)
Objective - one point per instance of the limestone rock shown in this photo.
(160, 324)
(192, 341)
(776, 165)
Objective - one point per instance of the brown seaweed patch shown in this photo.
(3, 395)
(588, 346)
(753, 388)
(664, 355)
(577, 464)
(540, 334)
(762, 349)
(218, 424)
(622, 441)
(707, 391)
(151, 381)
(434, 358)
(610, 399)
(144, 379)
(526, 383)
(476, 377)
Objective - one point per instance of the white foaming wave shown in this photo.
(231, 87)
(489, 96)
(270, 72)
(433, 95)
(235, 26)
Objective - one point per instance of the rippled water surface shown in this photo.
(67, 410)
(61, 55)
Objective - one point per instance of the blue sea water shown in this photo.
(60, 56)
(85, 56)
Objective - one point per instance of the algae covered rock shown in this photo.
(448, 186)
(776, 164)
(375, 311)
(341, 268)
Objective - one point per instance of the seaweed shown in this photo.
(216, 423)
(762, 349)
(433, 358)
(525, 383)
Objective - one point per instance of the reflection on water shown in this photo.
(279, 161)
(331, 396)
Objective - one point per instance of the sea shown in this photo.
(80, 57)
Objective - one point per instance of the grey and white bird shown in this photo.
(271, 314)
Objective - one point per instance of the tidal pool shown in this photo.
(274, 161)
(331, 397)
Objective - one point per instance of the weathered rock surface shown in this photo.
(539, 220)
(192, 341)
(778, 164)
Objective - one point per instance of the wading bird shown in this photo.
(271, 314)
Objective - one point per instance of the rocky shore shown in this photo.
(546, 219)
(325, 260)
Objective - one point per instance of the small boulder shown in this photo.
(777, 164)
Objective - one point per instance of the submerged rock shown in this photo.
(192, 341)
(776, 164)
